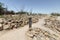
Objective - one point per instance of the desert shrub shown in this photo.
(55, 14)
(1, 16)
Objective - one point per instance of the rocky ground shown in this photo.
(46, 28)
(14, 21)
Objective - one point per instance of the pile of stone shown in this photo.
(39, 34)
(15, 21)
(53, 24)
(34, 19)
(10, 24)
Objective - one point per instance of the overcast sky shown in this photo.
(40, 6)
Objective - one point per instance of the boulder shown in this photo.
(1, 20)
(12, 26)
(1, 27)
(6, 27)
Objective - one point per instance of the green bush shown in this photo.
(55, 14)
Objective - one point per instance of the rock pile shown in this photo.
(10, 24)
(15, 21)
(39, 34)
(53, 24)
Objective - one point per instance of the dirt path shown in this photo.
(19, 34)
(16, 34)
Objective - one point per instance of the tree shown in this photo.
(22, 12)
(1, 8)
(55, 14)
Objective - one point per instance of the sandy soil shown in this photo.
(16, 34)
(19, 34)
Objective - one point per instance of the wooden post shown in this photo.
(30, 23)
